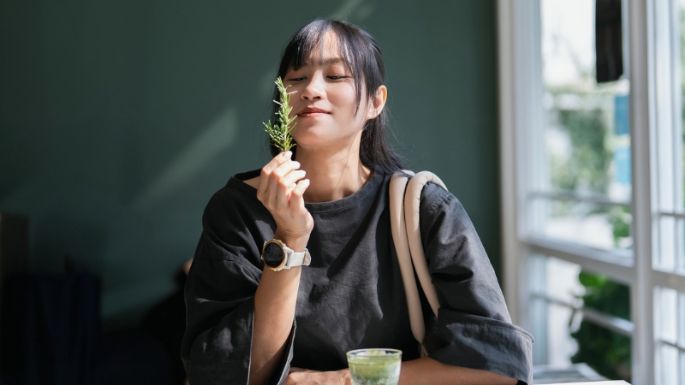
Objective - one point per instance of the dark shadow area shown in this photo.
(51, 335)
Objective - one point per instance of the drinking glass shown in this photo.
(374, 366)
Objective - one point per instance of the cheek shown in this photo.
(350, 106)
(344, 95)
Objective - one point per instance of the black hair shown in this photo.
(363, 57)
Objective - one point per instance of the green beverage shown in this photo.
(374, 366)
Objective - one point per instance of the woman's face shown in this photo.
(323, 96)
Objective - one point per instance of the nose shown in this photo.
(313, 88)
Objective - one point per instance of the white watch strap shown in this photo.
(297, 258)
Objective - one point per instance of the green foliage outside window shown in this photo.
(586, 169)
(604, 350)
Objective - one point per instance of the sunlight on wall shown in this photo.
(218, 137)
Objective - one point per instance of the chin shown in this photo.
(316, 136)
(309, 142)
(310, 135)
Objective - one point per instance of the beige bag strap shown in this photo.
(405, 204)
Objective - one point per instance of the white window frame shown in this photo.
(652, 101)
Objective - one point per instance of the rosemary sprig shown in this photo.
(281, 133)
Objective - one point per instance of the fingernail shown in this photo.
(288, 154)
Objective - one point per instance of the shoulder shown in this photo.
(441, 205)
(434, 195)
(438, 203)
(234, 216)
(434, 198)
(237, 192)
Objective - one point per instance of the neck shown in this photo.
(334, 174)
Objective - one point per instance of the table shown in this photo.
(594, 383)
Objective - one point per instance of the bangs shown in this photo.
(351, 48)
(305, 41)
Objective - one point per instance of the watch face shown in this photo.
(273, 255)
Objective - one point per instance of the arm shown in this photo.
(221, 298)
(473, 328)
(415, 372)
(274, 309)
(429, 371)
(281, 187)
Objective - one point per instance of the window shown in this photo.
(592, 116)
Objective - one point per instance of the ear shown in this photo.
(377, 103)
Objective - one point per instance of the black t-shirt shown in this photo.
(351, 296)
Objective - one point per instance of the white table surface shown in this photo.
(593, 383)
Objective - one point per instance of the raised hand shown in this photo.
(281, 186)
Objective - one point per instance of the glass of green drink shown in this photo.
(374, 366)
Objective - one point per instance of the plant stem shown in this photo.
(280, 133)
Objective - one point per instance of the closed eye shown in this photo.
(338, 77)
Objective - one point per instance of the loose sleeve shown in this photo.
(473, 328)
(219, 297)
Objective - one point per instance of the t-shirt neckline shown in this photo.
(369, 187)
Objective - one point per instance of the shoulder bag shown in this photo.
(405, 202)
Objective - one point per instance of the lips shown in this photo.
(312, 110)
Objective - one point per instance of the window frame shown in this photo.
(521, 89)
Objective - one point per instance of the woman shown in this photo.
(259, 313)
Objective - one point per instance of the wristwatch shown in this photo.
(277, 256)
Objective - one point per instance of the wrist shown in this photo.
(278, 255)
(295, 242)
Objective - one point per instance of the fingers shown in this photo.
(283, 170)
(279, 178)
(281, 187)
(271, 175)
(296, 200)
(282, 180)
(270, 167)
(292, 177)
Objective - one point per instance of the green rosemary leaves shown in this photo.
(280, 133)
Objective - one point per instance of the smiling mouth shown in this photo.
(312, 113)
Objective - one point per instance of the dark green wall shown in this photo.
(119, 119)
